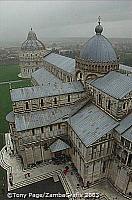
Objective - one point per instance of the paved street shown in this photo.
(6, 82)
(48, 186)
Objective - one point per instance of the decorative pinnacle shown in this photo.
(99, 18)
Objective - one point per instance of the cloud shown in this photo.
(63, 18)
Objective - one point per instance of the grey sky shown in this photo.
(64, 18)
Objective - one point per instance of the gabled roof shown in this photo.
(114, 84)
(44, 77)
(125, 67)
(91, 123)
(58, 145)
(65, 63)
(46, 91)
(37, 119)
(25, 121)
(128, 134)
(124, 124)
(10, 117)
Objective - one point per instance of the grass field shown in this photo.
(5, 102)
(7, 73)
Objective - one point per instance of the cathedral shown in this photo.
(78, 108)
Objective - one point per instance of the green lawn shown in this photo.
(7, 73)
(5, 102)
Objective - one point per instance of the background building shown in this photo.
(77, 109)
(31, 55)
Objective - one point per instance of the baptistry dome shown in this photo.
(32, 43)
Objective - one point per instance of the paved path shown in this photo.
(6, 82)
(12, 164)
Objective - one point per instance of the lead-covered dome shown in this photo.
(98, 48)
(32, 43)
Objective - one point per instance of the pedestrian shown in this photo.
(28, 174)
(6, 149)
(11, 183)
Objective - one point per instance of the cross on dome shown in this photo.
(99, 28)
(99, 18)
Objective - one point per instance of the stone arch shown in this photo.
(89, 77)
(79, 75)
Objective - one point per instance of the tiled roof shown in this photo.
(44, 77)
(114, 84)
(124, 124)
(91, 123)
(40, 118)
(46, 91)
(59, 145)
(65, 63)
(128, 134)
(10, 117)
(125, 67)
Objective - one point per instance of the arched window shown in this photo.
(59, 126)
(81, 75)
(109, 104)
(55, 100)
(68, 78)
(99, 98)
(33, 131)
(69, 98)
(42, 102)
(42, 129)
(27, 106)
(129, 163)
(124, 105)
(51, 128)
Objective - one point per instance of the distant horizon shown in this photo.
(50, 39)
(60, 19)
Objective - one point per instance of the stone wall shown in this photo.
(47, 102)
(91, 70)
(30, 61)
(58, 72)
(115, 107)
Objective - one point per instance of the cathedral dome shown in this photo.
(98, 48)
(32, 43)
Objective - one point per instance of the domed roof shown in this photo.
(98, 48)
(32, 43)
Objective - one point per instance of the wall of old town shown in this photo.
(47, 102)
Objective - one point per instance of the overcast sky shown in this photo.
(64, 18)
